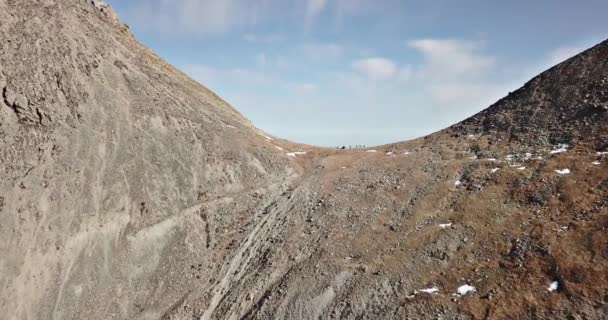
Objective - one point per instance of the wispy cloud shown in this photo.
(213, 17)
(456, 74)
(313, 9)
(194, 16)
(376, 68)
(452, 59)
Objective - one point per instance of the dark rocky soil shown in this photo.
(129, 191)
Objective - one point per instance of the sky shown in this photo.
(363, 72)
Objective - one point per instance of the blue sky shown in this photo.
(340, 72)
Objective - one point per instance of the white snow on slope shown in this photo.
(429, 290)
(265, 136)
(495, 170)
(445, 225)
(371, 151)
(297, 153)
(596, 163)
(560, 148)
(553, 286)
(464, 289)
(563, 171)
(279, 148)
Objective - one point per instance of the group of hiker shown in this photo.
(358, 146)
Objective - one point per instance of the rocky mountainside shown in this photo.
(129, 191)
(567, 103)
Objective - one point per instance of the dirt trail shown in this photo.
(266, 226)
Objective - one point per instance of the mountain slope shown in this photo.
(110, 161)
(128, 191)
(565, 104)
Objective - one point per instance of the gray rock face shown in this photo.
(129, 191)
(118, 173)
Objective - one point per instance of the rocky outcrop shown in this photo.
(565, 104)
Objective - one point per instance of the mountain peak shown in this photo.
(566, 103)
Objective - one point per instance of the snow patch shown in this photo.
(429, 290)
(491, 159)
(297, 153)
(371, 151)
(390, 154)
(596, 163)
(445, 225)
(560, 148)
(602, 153)
(464, 289)
(563, 171)
(265, 136)
(553, 286)
(495, 170)
(521, 168)
(279, 148)
(457, 183)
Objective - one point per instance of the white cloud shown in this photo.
(190, 16)
(455, 59)
(376, 69)
(313, 9)
(455, 74)
(206, 17)
(322, 51)
(216, 17)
